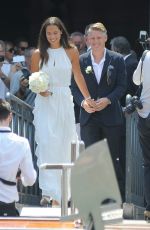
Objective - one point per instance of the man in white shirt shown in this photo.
(15, 154)
(141, 74)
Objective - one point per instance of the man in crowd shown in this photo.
(78, 39)
(21, 45)
(15, 154)
(121, 45)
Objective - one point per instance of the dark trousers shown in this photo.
(94, 131)
(144, 136)
(8, 209)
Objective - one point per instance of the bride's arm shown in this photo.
(79, 77)
(35, 60)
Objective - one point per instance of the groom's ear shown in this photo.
(106, 38)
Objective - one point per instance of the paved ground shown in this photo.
(36, 224)
(49, 218)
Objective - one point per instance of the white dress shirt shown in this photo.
(145, 78)
(98, 67)
(14, 153)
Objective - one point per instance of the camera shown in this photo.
(134, 103)
(25, 73)
(144, 40)
(1, 58)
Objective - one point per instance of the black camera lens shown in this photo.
(129, 108)
(134, 104)
(26, 73)
(1, 58)
(137, 103)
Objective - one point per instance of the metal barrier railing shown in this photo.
(134, 168)
(23, 126)
(65, 171)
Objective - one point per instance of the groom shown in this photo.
(105, 76)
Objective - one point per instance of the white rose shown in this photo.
(88, 69)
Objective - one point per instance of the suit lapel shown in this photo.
(89, 63)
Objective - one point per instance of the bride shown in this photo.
(54, 113)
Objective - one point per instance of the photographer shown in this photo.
(141, 74)
(15, 154)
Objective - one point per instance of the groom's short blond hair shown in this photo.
(98, 26)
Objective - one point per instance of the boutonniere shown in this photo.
(88, 69)
(109, 73)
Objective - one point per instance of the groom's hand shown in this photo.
(102, 103)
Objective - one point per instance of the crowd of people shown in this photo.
(15, 70)
(85, 99)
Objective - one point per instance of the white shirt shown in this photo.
(14, 153)
(125, 57)
(145, 78)
(98, 67)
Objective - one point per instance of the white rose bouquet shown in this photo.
(38, 82)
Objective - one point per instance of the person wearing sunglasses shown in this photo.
(21, 45)
(9, 51)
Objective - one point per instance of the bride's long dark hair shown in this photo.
(43, 43)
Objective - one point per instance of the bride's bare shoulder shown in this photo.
(36, 53)
(72, 52)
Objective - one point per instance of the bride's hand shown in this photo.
(46, 93)
(91, 102)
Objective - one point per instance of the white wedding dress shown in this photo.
(55, 122)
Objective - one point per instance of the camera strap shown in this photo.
(142, 60)
(11, 183)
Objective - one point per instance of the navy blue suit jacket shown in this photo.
(112, 85)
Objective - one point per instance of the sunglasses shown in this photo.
(23, 48)
(11, 50)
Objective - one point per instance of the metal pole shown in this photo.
(73, 152)
(81, 146)
(64, 187)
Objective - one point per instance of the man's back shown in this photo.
(14, 153)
